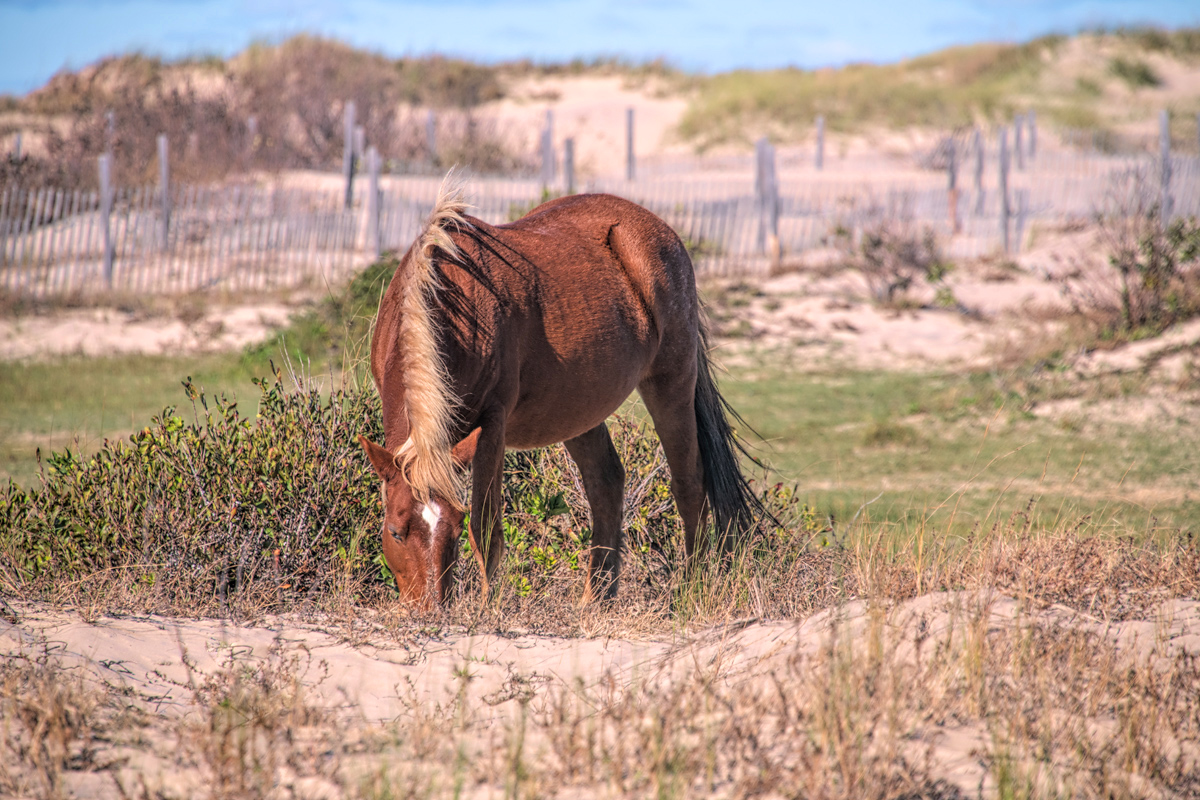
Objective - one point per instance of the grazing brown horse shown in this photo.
(527, 334)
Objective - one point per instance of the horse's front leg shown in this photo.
(486, 532)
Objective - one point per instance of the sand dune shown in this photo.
(360, 684)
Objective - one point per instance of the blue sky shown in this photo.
(40, 37)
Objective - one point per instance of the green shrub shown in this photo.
(1156, 269)
(1137, 74)
(258, 507)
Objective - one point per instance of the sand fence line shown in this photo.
(738, 216)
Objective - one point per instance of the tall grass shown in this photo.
(978, 84)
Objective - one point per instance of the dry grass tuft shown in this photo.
(256, 724)
(51, 722)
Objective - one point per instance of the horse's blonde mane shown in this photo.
(425, 458)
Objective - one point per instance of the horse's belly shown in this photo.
(573, 406)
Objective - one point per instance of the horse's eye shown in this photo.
(395, 532)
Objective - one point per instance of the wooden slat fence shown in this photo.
(255, 236)
(236, 237)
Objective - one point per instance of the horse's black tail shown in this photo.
(733, 503)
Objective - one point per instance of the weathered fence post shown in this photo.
(9, 192)
(766, 191)
(952, 184)
(1031, 121)
(1164, 146)
(1018, 147)
(348, 151)
(17, 147)
(630, 157)
(251, 139)
(374, 206)
(569, 165)
(431, 137)
(1022, 216)
(1002, 185)
(164, 192)
(110, 130)
(819, 158)
(548, 150)
(978, 142)
(106, 198)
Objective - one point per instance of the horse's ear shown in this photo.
(381, 460)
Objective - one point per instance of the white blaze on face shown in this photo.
(431, 514)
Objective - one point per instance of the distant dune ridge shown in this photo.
(282, 106)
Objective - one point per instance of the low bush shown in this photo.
(1155, 264)
(893, 258)
(228, 507)
(1154, 281)
(1136, 74)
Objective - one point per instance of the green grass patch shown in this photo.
(960, 452)
(930, 447)
(75, 403)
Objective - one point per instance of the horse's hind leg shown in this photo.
(670, 399)
(604, 483)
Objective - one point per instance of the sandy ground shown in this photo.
(821, 313)
(592, 111)
(370, 679)
(111, 331)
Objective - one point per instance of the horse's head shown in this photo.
(420, 540)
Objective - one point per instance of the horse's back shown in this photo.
(595, 287)
(607, 232)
